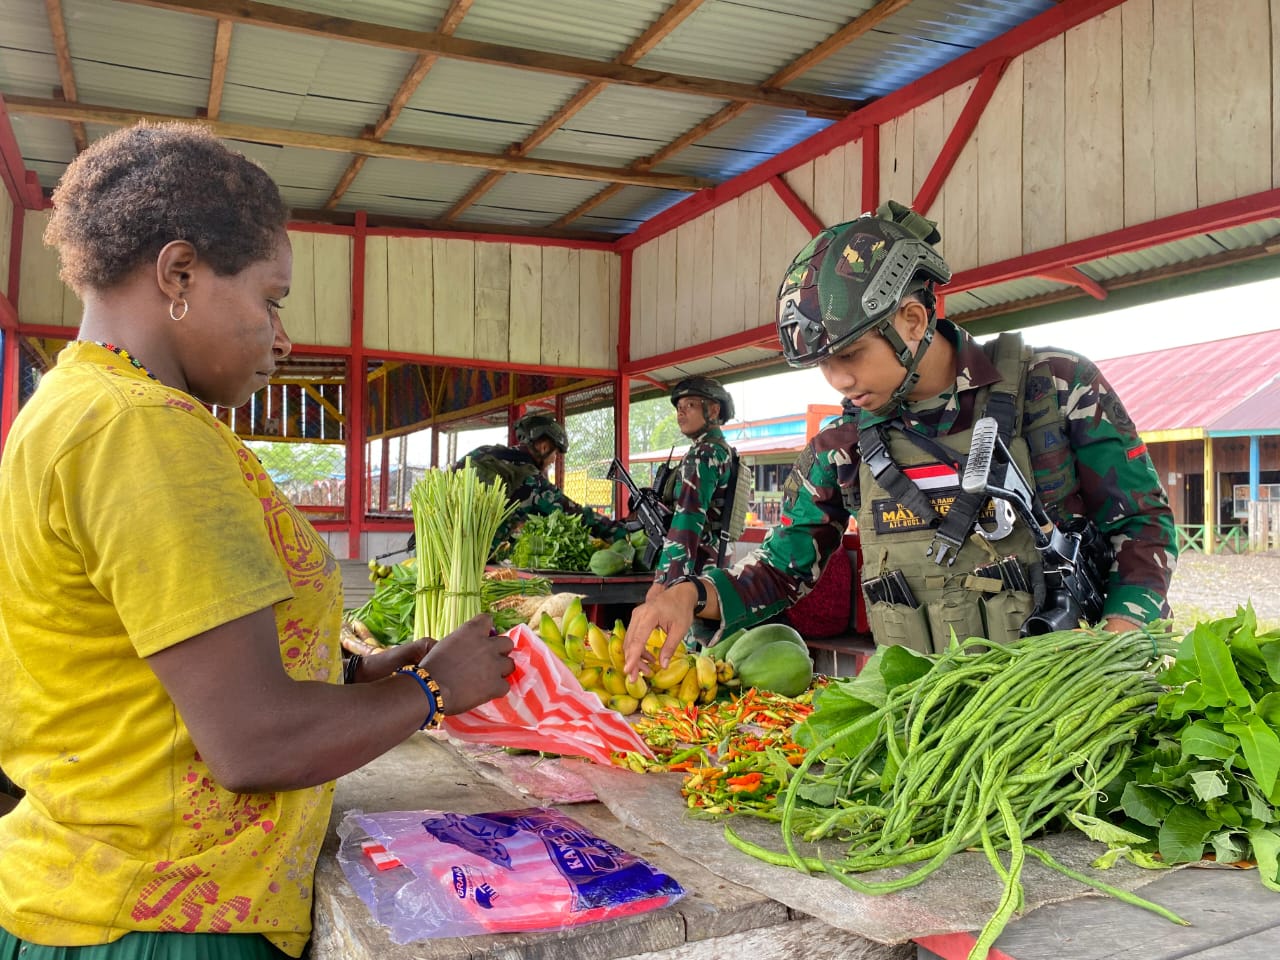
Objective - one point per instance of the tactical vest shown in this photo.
(952, 597)
(727, 512)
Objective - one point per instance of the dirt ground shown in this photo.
(1213, 586)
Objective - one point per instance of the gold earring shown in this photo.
(185, 307)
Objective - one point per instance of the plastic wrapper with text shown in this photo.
(429, 873)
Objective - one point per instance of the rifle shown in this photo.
(652, 513)
(1075, 561)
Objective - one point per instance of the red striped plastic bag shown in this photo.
(546, 709)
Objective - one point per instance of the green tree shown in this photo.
(296, 465)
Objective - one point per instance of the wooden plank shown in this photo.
(593, 310)
(829, 186)
(493, 301)
(644, 282)
(664, 315)
(999, 135)
(6, 238)
(1173, 91)
(897, 158)
(1044, 131)
(931, 132)
(781, 238)
(1140, 118)
(560, 292)
(377, 330)
(695, 272)
(801, 181)
(299, 314)
(453, 280)
(333, 289)
(39, 288)
(526, 303)
(688, 284)
(1233, 100)
(852, 180)
(747, 296)
(1094, 158)
(724, 268)
(615, 303)
(959, 224)
(411, 295)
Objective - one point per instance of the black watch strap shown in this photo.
(699, 586)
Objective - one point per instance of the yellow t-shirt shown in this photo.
(131, 520)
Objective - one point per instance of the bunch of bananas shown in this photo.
(596, 659)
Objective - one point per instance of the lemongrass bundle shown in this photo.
(455, 517)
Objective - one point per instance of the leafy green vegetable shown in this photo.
(558, 541)
(1220, 789)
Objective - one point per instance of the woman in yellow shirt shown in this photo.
(169, 656)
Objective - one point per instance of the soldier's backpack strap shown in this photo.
(873, 447)
(1002, 401)
(737, 497)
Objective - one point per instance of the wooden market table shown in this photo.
(717, 918)
(604, 598)
(1233, 917)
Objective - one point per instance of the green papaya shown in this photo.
(608, 563)
(722, 646)
(779, 667)
(763, 635)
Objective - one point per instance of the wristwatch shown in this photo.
(699, 586)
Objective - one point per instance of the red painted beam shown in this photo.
(1219, 216)
(808, 219)
(766, 335)
(1053, 22)
(966, 123)
(357, 483)
(871, 167)
(23, 187)
(339, 229)
(1074, 277)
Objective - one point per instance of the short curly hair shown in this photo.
(139, 188)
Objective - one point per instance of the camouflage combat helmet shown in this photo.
(707, 389)
(534, 426)
(849, 281)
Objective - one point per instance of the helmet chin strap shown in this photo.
(910, 361)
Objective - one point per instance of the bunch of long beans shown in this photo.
(455, 516)
(994, 743)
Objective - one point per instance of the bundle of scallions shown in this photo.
(984, 746)
(455, 515)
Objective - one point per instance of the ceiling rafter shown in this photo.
(62, 53)
(112, 116)
(417, 73)
(671, 18)
(218, 69)
(494, 54)
(855, 28)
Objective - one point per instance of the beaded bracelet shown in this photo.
(432, 690)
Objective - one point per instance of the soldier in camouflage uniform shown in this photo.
(858, 302)
(523, 471)
(695, 491)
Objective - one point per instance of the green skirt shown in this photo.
(142, 945)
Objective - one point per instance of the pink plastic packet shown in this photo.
(546, 709)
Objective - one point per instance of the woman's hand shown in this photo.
(384, 663)
(471, 665)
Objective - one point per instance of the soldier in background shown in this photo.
(523, 471)
(696, 490)
(858, 302)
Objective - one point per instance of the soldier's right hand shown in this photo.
(471, 665)
(670, 610)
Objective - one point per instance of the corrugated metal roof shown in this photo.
(1195, 386)
(138, 57)
(1259, 412)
